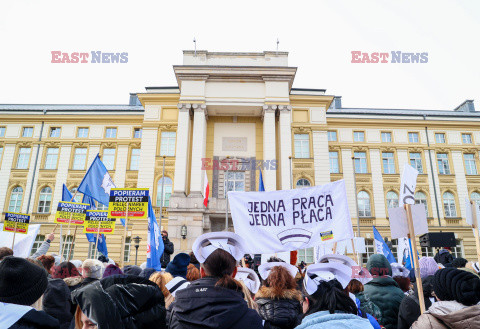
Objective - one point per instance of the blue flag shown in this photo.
(409, 264)
(261, 188)
(91, 237)
(382, 247)
(97, 182)
(155, 244)
(66, 194)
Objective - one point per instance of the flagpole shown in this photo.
(14, 233)
(96, 242)
(68, 233)
(73, 242)
(124, 237)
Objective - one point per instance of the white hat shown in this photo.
(316, 273)
(207, 243)
(249, 278)
(345, 260)
(266, 268)
(176, 284)
(399, 270)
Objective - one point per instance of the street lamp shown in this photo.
(137, 244)
(183, 232)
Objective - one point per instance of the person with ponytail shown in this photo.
(326, 304)
(216, 299)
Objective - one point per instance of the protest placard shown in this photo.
(135, 200)
(16, 222)
(71, 213)
(98, 222)
(398, 221)
(289, 220)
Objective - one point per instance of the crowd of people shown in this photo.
(215, 286)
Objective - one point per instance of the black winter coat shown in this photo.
(203, 305)
(122, 302)
(444, 257)
(409, 311)
(34, 319)
(279, 312)
(165, 258)
(56, 302)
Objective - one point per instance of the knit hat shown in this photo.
(454, 284)
(132, 270)
(428, 266)
(111, 270)
(92, 268)
(178, 266)
(21, 282)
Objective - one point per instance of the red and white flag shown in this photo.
(206, 190)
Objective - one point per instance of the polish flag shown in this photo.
(206, 190)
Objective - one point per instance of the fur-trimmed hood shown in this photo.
(73, 281)
(267, 292)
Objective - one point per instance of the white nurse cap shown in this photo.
(266, 268)
(325, 272)
(249, 278)
(207, 243)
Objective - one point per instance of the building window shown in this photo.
(440, 138)
(386, 137)
(2, 131)
(82, 133)
(449, 205)
(360, 162)
(334, 165)
(467, 138)
(306, 255)
(16, 196)
(167, 143)
(443, 166)
(78, 196)
(39, 239)
(475, 196)
(134, 159)
(44, 200)
(470, 164)
(457, 251)
(364, 209)
(126, 254)
(91, 250)
(101, 206)
(27, 132)
(420, 197)
(416, 162)
(55, 132)
(302, 146)
(137, 133)
(111, 133)
(235, 182)
(79, 158)
(370, 250)
(302, 182)
(23, 158)
(332, 136)
(51, 158)
(68, 245)
(358, 136)
(392, 199)
(388, 163)
(167, 191)
(413, 138)
(108, 158)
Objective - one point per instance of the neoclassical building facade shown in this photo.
(230, 115)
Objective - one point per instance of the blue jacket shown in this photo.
(325, 320)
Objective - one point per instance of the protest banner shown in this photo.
(98, 222)
(73, 213)
(16, 223)
(472, 216)
(287, 220)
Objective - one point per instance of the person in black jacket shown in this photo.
(57, 302)
(167, 251)
(409, 310)
(215, 300)
(444, 256)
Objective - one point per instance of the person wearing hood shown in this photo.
(327, 304)
(120, 302)
(444, 256)
(167, 251)
(22, 285)
(383, 291)
(178, 266)
(215, 300)
(458, 294)
(278, 300)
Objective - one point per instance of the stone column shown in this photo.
(181, 153)
(321, 157)
(461, 180)
(285, 134)
(146, 167)
(269, 138)
(198, 148)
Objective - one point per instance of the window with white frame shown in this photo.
(440, 138)
(370, 250)
(167, 191)
(44, 200)
(449, 205)
(2, 131)
(23, 158)
(82, 133)
(306, 255)
(79, 158)
(358, 136)
(52, 158)
(467, 138)
(332, 136)
(39, 239)
(475, 196)
(91, 250)
(111, 133)
(16, 197)
(360, 162)
(364, 208)
(134, 159)
(55, 132)
(167, 143)
(137, 133)
(470, 164)
(235, 181)
(421, 198)
(457, 251)
(413, 138)
(386, 137)
(443, 165)
(302, 145)
(416, 161)
(27, 132)
(334, 165)
(108, 158)
(302, 182)
(388, 162)
(392, 199)
(126, 254)
(67, 246)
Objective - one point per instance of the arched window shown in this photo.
(449, 205)
(78, 196)
(475, 196)
(45, 200)
(302, 182)
(421, 197)
(364, 209)
(167, 191)
(392, 199)
(16, 199)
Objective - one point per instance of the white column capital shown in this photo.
(200, 108)
(284, 108)
(184, 106)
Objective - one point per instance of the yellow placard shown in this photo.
(137, 199)
(16, 222)
(94, 218)
(72, 212)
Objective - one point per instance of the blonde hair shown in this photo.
(168, 277)
(78, 320)
(159, 279)
(248, 296)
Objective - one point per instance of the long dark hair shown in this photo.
(331, 297)
(221, 264)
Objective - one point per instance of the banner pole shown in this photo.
(334, 247)
(96, 241)
(124, 237)
(68, 232)
(14, 233)
(73, 241)
(61, 241)
(475, 228)
(413, 241)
